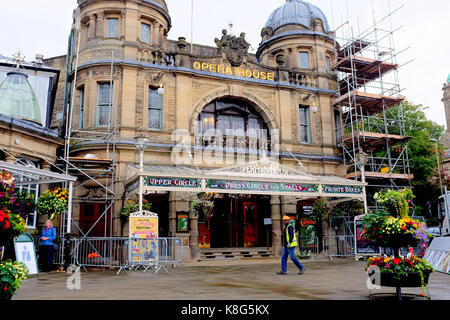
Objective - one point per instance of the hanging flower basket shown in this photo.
(133, 206)
(203, 209)
(53, 202)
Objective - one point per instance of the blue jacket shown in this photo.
(50, 234)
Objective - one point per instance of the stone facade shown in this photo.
(272, 82)
(446, 138)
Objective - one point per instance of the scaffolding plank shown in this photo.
(373, 140)
(353, 48)
(379, 175)
(369, 102)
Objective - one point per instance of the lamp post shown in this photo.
(438, 164)
(140, 143)
(361, 160)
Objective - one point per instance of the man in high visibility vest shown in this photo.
(289, 243)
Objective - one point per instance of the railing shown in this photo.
(58, 255)
(308, 246)
(339, 246)
(128, 253)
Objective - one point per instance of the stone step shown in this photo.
(224, 254)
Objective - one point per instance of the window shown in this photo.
(233, 117)
(104, 108)
(304, 60)
(338, 123)
(33, 189)
(304, 125)
(81, 95)
(145, 33)
(112, 30)
(155, 103)
(328, 62)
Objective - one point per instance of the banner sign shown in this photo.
(144, 237)
(364, 247)
(172, 182)
(182, 221)
(342, 189)
(261, 186)
(26, 252)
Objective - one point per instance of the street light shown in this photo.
(140, 142)
(438, 163)
(361, 160)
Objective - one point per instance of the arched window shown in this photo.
(232, 117)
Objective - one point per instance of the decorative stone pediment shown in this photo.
(264, 168)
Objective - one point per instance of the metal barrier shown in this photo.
(58, 257)
(308, 246)
(339, 246)
(128, 253)
(438, 254)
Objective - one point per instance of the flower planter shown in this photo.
(409, 280)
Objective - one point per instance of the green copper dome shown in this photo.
(17, 98)
(448, 78)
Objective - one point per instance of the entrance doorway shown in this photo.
(90, 214)
(238, 222)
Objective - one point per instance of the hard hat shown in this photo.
(286, 218)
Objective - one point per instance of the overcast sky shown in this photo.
(43, 26)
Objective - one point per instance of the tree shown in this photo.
(422, 153)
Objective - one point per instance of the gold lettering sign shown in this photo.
(238, 72)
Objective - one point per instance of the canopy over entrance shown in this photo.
(261, 177)
(36, 176)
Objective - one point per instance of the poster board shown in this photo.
(143, 233)
(26, 252)
(183, 222)
(363, 247)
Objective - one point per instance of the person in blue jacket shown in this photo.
(46, 248)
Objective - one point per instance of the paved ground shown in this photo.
(230, 280)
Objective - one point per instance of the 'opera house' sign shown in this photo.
(238, 72)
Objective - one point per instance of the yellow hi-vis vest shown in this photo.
(294, 241)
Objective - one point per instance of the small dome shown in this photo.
(296, 12)
(448, 78)
(17, 98)
(159, 3)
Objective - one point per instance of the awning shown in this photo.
(262, 177)
(30, 175)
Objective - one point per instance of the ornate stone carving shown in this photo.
(234, 48)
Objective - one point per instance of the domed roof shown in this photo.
(448, 78)
(296, 12)
(17, 98)
(159, 3)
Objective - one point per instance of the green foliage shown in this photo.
(24, 204)
(395, 202)
(133, 206)
(11, 276)
(53, 202)
(321, 210)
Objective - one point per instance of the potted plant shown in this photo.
(133, 206)
(11, 276)
(53, 202)
(395, 229)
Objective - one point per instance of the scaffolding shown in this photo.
(95, 173)
(371, 106)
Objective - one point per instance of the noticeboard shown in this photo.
(182, 221)
(26, 252)
(363, 247)
(143, 231)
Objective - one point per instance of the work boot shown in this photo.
(301, 271)
(282, 273)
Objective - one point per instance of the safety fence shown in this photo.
(128, 253)
(438, 254)
(339, 246)
(308, 246)
(121, 253)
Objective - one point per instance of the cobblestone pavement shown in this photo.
(341, 279)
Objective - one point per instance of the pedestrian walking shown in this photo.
(289, 243)
(47, 246)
